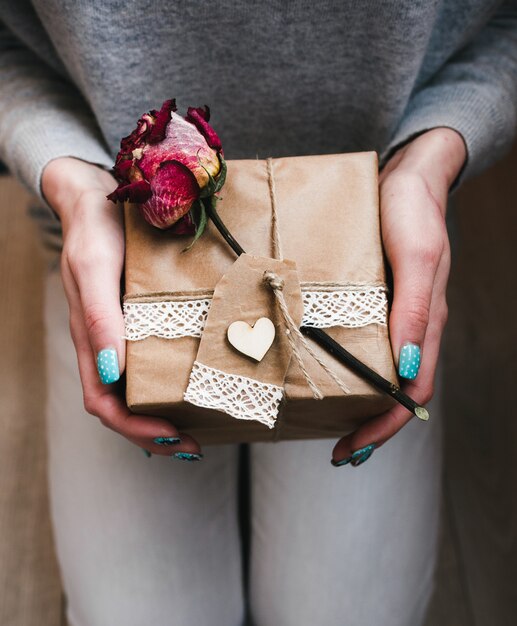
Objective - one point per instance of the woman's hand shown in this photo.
(414, 187)
(91, 268)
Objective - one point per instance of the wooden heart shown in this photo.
(253, 341)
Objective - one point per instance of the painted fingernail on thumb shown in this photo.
(107, 366)
(409, 361)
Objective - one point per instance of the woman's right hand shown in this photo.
(91, 267)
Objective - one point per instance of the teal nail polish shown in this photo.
(107, 366)
(409, 361)
(146, 452)
(187, 456)
(167, 441)
(362, 455)
(345, 461)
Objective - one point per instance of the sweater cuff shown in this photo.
(486, 124)
(36, 142)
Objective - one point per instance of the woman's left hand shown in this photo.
(414, 187)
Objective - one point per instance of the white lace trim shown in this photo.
(350, 307)
(241, 397)
(169, 319)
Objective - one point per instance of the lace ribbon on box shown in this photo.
(241, 397)
(325, 305)
(169, 319)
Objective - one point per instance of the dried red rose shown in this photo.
(167, 164)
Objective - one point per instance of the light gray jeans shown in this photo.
(156, 541)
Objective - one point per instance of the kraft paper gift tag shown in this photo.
(226, 379)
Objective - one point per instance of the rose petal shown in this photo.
(203, 112)
(138, 136)
(184, 226)
(174, 190)
(122, 167)
(137, 192)
(162, 119)
(200, 116)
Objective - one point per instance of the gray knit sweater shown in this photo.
(282, 77)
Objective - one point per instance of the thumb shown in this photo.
(99, 289)
(413, 279)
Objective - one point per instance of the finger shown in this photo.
(102, 401)
(99, 288)
(414, 277)
(374, 433)
(98, 275)
(414, 237)
(357, 447)
(95, 254)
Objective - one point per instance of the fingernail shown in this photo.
(167, 441)
(362, 455)
(187, 456)
(409, 360)
(146, 452)
(342, 462)
(107, 366)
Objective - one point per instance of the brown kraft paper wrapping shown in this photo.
(328, 216)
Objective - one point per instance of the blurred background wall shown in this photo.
(477, 576)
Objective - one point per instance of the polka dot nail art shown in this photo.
(107, 366)
(409, 361)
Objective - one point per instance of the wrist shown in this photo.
(446, 154)
(65, 179)
(437, 156)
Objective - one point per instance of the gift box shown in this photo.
(325, 212)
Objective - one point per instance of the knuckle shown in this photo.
(105, 421)
(417, 312)
(91, 405)
(95, 318)
(84, 262)
(394, 424)
(71, 251)
(101, 406)
(86, 257)
(425, 392)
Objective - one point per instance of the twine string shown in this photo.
(293, 333)
(277, 243)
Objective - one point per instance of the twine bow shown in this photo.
(293, 334)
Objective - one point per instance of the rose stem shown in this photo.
(337, 350)
(219, 224)
(327, 342)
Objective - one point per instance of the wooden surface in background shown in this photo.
(477, 572)
(30, 591)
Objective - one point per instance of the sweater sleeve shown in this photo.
(475, 93)
(42, 117)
